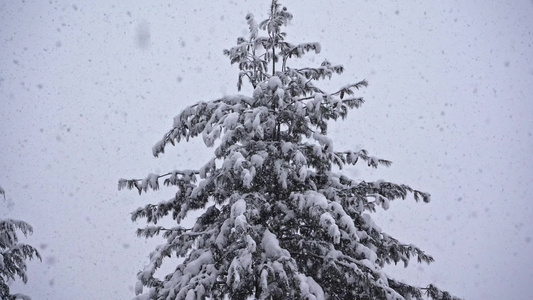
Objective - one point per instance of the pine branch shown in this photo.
(152, 180)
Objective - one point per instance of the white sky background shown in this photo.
(86, 89)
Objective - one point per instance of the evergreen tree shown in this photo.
(280, 220)
(13, 254)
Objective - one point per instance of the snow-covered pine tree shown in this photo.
(279, 219)
(13, 254)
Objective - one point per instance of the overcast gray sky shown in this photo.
(87, 87)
